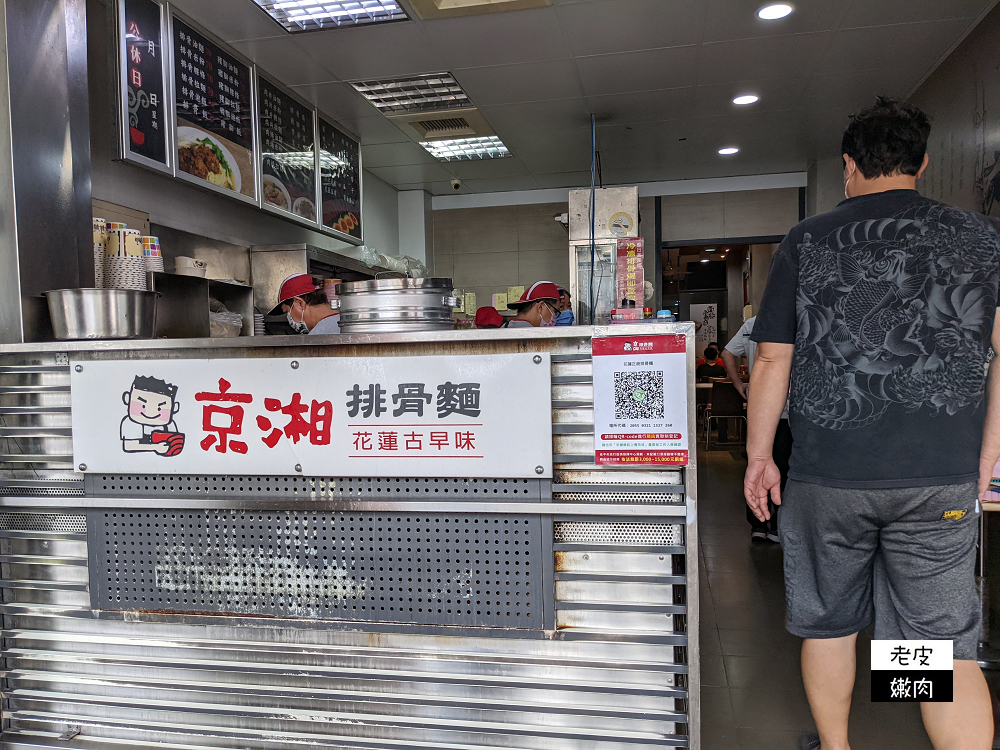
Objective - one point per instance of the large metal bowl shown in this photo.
(101, 313)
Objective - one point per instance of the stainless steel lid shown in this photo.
(389, 285)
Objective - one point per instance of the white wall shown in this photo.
(826, 185)
(416, 226)
(381, 215)
(748, 213)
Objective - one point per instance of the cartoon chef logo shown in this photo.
(149, 425)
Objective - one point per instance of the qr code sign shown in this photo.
(639, 395)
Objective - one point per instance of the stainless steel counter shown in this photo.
(607, 660)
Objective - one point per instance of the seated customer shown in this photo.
(711, 367)
(710, 344)
(488, 317)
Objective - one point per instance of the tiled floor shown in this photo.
(752, 695)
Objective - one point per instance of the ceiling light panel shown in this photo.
(774, 12)
(467, 149)
(414, 94)
(746, 99)
(312, 15)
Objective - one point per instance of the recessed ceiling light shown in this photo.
(774, 12)
(729, 151)
(746, 99)
(465, 149)
(709, 249)
(433, 91)
(310, 15)
(704, 260)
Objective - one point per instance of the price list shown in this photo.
(143, 70)
(214, 120)
(288, 165)
(340, 180)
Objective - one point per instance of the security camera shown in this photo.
(456, 184)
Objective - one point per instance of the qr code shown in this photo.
(639, 395)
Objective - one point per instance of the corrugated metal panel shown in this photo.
(609, 674)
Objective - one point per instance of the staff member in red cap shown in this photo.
(538, 306)
(488, 317)
(306, 306)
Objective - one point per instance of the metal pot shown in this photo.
(396, 305)
(102, 313)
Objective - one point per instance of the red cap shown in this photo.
(538, 291)
(488, 317)
(295, 286)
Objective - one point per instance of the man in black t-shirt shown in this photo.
(881, 314)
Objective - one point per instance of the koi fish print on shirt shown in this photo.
(894, 311)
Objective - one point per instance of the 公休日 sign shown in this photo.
(389, 417)
(640, 400)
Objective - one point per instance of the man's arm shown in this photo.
(729, 360)
(990, 453)
(771, 370)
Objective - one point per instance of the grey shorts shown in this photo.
(903, 556)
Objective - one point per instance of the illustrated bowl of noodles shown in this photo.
(305, 208)
(202, 155)
(275, 193)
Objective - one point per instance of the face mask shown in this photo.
(299, 326)
(551, 321)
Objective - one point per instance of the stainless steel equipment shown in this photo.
(396, 305)
(102, 313)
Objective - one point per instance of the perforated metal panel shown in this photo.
(43, 522)
(434, 569)
(165, 486)
(620, 533)
(617, 497)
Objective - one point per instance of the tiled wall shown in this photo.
(485, 250)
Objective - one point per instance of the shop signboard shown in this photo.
(360, 417)
(640, 400)
(288, 152)
(340, 180)
(214, 105)
(145, 127)
(629, 257)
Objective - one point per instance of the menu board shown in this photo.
(214, 114)
(288, 163)
(142, 67)
(340, 180)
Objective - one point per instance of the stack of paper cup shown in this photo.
(124, 265)
(100, 244)
(258, 324)
(151, 254)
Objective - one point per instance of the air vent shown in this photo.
(451, 127)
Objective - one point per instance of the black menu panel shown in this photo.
(146, 129)
(214, 113)
(288, 161)
(340, 179)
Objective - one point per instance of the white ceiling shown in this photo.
(653, 72)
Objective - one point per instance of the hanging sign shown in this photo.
(640, 400)
(358, 417)
(145, 127)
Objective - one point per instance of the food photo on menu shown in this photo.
(288, 166)
(287, 186)
(340, 180)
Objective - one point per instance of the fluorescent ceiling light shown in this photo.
(709, 249)
(774, 12)
(311, 15)
(434, 91)
(465, 149)
(729, 151)
(746, 99)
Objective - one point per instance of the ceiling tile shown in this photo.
(232, 20)
(564, 179)
(554, 115)
(625, 25)
(283, 60)
(666, 104)
(411, 173)
(375, 129)
(887, 12)
(374, 51)
(501, 184)
(395, 155)
(562, 151)
(480, 169)
(916, 45)
(337, 99)
(529, 82)
(726, 20)
(761, 59)
(775, 94)
(673, 67)
(527, 36)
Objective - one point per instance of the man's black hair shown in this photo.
(315, 299)
(887, 138)
(155, 385)
(711, 353)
